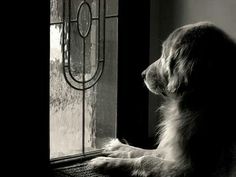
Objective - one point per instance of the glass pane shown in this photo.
(100, 100)
(84, 19)
(94, 7)
(76, 52)
(106, 110)
(111, 7)
(56, 11)
(65, 105)
(75, 6)
(91, 54)
(90, 118)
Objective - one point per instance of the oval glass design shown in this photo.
(84, 19)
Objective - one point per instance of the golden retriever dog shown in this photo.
(197, 135)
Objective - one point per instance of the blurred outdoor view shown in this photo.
(101, 99)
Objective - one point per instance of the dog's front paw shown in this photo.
(100, 164)
(117, 154)
(112, 166)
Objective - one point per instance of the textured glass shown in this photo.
(111, 7)
(84, 19)
(107, 87)
(65, 105)
(75, 6)
(100, 101)
(76, 52)
(91, 51)
(56, 8)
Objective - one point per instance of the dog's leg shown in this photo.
(146, 166)
(117, 149)
(130, 153)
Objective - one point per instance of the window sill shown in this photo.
(73, 159)
(74, 165)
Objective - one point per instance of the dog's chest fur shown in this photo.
(175, 129)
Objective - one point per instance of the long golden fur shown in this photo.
(197, 137)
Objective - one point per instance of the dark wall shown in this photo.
(134, 28)
(166, 15)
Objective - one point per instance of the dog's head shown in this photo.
(194, 57)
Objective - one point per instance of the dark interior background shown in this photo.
(142, 29)
(166, 15)
(134, 29)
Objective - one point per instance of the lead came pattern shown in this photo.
(84, 23)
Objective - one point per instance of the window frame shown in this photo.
(66, 9)
(131, 63)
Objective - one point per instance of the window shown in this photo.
(83, 75)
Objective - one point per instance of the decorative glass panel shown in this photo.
(83, 81)
(65, 103)
(112, 7)
(56, 11)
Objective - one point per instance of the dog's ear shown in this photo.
(197, 59)
(190, 71)
(180, 71)
(177, 80)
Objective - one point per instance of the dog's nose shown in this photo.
(143, 74)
